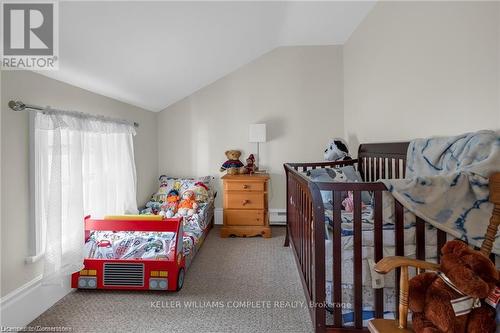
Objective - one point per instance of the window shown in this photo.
(79, 166)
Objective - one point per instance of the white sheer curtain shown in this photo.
(84, 165)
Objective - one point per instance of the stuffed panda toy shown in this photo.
(337, 150)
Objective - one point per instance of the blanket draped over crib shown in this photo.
(446, 183)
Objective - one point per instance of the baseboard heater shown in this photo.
(277, 217)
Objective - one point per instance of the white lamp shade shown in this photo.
(257, 133)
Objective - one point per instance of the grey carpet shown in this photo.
(226, 271)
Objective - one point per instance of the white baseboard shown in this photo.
(277, 216)
(21, 306)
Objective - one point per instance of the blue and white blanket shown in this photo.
(446, 183)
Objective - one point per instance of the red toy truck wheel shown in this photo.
(180, 279)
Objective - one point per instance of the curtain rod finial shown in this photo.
(16, 106)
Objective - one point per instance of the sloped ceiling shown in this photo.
(152, 54)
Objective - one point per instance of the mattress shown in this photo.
(130, 245)
(149, 245)
(195, 228)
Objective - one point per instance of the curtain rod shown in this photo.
(20, 106)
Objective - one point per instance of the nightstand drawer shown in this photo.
(244, 217)
(244, 186)
(242, 200)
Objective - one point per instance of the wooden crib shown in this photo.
(306, 230)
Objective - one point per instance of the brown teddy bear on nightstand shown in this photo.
(233, 163)
(450, 301)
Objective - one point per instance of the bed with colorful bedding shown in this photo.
(195, 225)
(147, 251)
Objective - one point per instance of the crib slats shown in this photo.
(399, 235)
(300, 230)
(389, 167)
(367, 169)
(379, 293)
(309, 247)
(304, 234)
(307, 237)
(420, 238)
(382, 174)
(372, 173)
(358, 273)
(441, 239)
(337, 263)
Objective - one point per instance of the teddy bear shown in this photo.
(250, 168)
(188, 205)
(449, 301)
(170, 206)
(233, 163)
(337, 150)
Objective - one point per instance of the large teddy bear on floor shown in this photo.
(435, 299)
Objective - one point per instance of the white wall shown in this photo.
(37, 89)
(296, 91)
(414, 69)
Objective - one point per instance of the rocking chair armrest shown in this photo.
(387, 264)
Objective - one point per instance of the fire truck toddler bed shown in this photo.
(148, 251)
(132, 254)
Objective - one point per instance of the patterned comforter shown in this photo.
(149, 245)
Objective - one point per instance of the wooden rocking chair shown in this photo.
(387, 264)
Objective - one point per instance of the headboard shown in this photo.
(382, 160)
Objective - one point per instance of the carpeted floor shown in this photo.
(233, 285)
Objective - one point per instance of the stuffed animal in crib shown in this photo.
(170, 207)
(250, 168)
(188, 205)
(337, 150)
(451, 301)
(348, 203)
(233, 163)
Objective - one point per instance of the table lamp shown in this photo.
(257, 134)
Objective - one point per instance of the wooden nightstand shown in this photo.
(245, 206)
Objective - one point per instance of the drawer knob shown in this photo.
(245, 186)
(245, 202)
